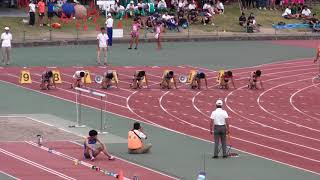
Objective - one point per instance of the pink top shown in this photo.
(136, 27)
(158, 29)
(41, 7)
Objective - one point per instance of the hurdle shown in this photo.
(78, 107)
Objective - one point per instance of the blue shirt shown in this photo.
(50, 7)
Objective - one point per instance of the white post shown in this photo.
(101, 111)
(78, 109)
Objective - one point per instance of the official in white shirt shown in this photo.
(221, 128)
(6, 39)
(109, 25)
(102, 40)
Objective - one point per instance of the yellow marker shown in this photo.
(25, 77)
(191, 74)
(115, 76)
(166, 72)
(56, 76)
(87, 78)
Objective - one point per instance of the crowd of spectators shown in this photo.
(173, 14)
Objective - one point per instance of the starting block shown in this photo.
(25, 77)
(166, 72)
(191, 74)
(219, 77)
(87, 78)
(56, 76)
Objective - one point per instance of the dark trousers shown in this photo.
(109, 33)
(32, 18)
(220, 134)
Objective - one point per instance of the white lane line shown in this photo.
(32, 163)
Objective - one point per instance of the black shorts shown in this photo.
(109, 76)
(50, 14)
(45, 80)
(41, 14)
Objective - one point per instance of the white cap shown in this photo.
(109, 14)
(131, 2)
(219, 102)
(7, 28)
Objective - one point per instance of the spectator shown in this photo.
(50, 11)
(41, 10)
(130, 9)
(135, 143)
(252, 25)
(120, 10)
(313, 21)
(135, 31)
(158, 34)
(209, 6)
(32, 11)
(192, 6)
(6, 39)
(109, 25)
(242, 20)
(287, 14)
(219, 7)
(262, 4)
(272, 4)
(207, 17)
(294, 10)
(182, 20)
(162, 6)
(306, 13)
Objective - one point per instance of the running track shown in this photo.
(280, 123)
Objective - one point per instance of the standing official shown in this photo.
(6, 39)
(221, 128)
(109, 25)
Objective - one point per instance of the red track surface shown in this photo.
(62, 165)
(280, 122)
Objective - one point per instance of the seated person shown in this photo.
(93, 147)
(182, 20)
(252, 25)
(225, 80)
(130, 9)
(192, 16)
(162, 6)
(138, 78)
(254, 78)
(313, 21)
(288, 14)
(135, 143)
(242, 20)
(77, 77)
(196, 80)
(107, 80)
(306, 13)
(219, 7)
(166, 80)
(206, 18)
(47, 80)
